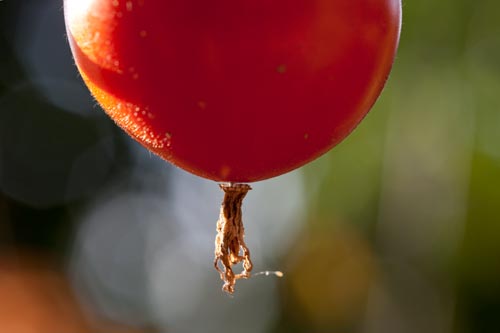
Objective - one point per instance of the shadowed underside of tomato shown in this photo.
(235, 90)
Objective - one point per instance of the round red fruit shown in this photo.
(235, 90)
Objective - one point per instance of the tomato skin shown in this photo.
(235, 90)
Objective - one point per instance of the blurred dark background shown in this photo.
(395, 230)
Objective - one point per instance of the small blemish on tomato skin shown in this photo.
(167, 139)
(306, 136)
(225, 171)
(202, 105)
(129, 6)
(96, 37)
(281, 69)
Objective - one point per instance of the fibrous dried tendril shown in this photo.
(229, 242)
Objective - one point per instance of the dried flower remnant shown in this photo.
(229, 242)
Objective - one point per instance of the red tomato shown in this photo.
(235, 90)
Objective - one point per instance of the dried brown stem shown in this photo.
(229, 241)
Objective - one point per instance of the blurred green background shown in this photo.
(395, 230)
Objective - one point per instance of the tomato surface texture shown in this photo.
(235, 90)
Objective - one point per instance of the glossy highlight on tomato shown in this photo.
(235, 90)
